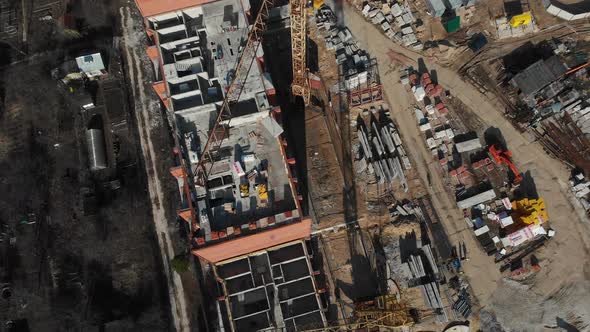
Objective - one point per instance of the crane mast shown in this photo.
(300, 86)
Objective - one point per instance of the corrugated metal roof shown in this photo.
(90, 63)
(573, 7)
(155, 7)
(539, 74)
(454, 4)
(252, 243)
(436, 7)
(453, 24)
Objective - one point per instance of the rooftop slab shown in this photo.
(256, 242)
(156, 7)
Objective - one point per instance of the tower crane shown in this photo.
(242, 70)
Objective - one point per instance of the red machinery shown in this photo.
(504, 157)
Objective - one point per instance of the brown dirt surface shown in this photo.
(542, 18)
(325, 180)
(550, 176)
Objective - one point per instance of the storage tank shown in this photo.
(96, 149)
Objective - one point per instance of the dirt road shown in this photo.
(564, 258)
(147, 114)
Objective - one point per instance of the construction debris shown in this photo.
(395, 19)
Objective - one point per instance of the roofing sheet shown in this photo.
(573, 7)
(155, 7)
(539, 74)
(436, 7)
(454, 4)
(453, 24)
(152, 52)
(252, 243)
(90, 63)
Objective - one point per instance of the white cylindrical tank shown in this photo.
(96, 149)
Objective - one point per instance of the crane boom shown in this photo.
(234, 91)
(300, 86)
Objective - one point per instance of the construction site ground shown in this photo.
(550, 176)
(338, 197)
(324, 175)
(371, 199)
(335, 202)
(354, 271)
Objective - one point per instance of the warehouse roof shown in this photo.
(437, 7)
(573, 7)
(156, 7)
(539, 75)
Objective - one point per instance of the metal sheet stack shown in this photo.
(382, 150)
(426, 279)
(463, 304)
(434, 301)
(416, 266)
(395, 19)
(354, 63)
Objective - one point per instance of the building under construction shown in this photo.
(267, 280)
(234, 176)
(248, 184)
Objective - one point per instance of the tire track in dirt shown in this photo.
(143, 105)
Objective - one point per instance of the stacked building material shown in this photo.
(476, 195)
(431, 294)
(416, 266)
(382, 149)
(580, 187)
(467, 142)
(354, 63)
(462, 305)
(395, 19)
(566, 133)
(425, 273)
(432, 90)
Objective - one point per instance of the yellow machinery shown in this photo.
(386, 309)
(262, 192)
(530, 211)
(521, 19)
(244, 189)
(317, 4)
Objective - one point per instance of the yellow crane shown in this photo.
(300, 86)
(384, 312)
